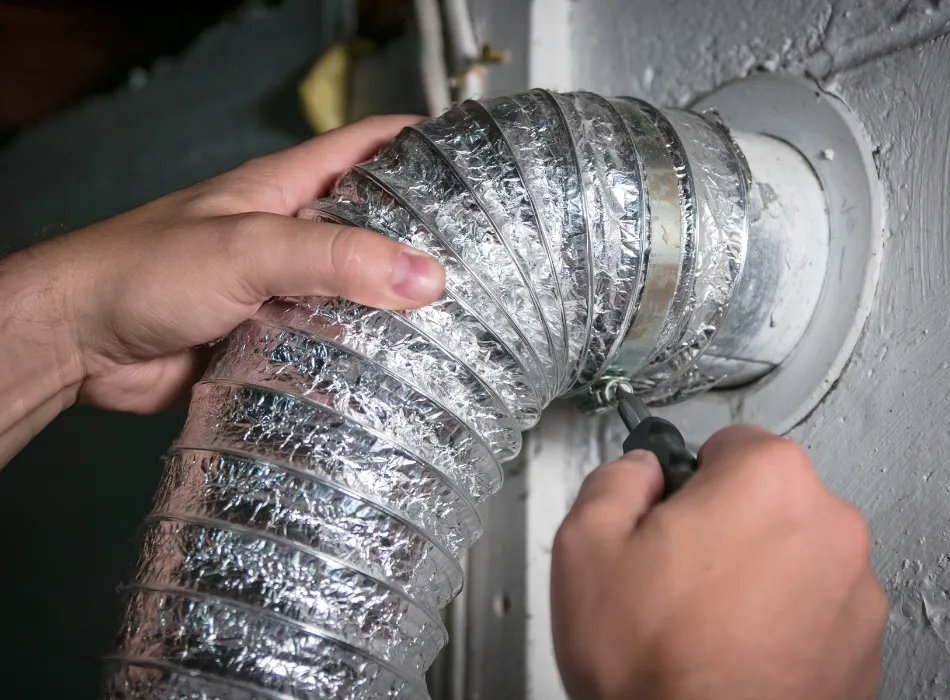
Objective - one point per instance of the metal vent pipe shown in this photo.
(314, 511)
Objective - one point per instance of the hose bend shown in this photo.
(314, 511)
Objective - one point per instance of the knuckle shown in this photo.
(262, 186)
(854, 534)
(248, 226)
(666, 528)
(568, 539)
(206, 198)
(788, 456)
(774, 476)
(595, 478)
(613, 476)
(241, 239)
(723, 443)
(344, 252)
(223, 195)
(239, 247)
(782, 472)
(253, 185)
(258, 172)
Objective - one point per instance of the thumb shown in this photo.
(622, 492)
(270, 255)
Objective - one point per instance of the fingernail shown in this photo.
(417, 276)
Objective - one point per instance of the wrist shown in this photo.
(41, 365)
(39, 319)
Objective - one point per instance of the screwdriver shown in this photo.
(656, 435)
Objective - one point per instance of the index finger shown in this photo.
(302, 173)
(733, 440)
(735, 454)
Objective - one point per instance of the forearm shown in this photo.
(40, 368)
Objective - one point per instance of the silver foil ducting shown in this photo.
(315, 509)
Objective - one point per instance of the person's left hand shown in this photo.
(113, 314)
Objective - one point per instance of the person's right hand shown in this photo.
(751, 583)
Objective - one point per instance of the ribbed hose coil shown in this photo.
(314, 511)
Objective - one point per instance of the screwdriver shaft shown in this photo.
(632, 409)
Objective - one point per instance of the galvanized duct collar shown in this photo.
(696, 233)
(315, 508)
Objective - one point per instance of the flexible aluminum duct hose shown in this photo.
(315, 508)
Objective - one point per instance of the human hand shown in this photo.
(112, 314)
(753, 581)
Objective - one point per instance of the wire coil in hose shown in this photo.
(314, 510)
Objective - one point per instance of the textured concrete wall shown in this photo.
(882, 436)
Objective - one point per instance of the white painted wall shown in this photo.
(882, 436)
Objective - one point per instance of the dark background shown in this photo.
(212, 84)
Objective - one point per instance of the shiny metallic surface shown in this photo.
(670, 233)
(445, 205)
(324, 489)
(480, 156)
(533, 128)
(632, 409)
(722, 182)
(786, 264)
(611, 197)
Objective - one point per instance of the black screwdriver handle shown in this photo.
(661, 437)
